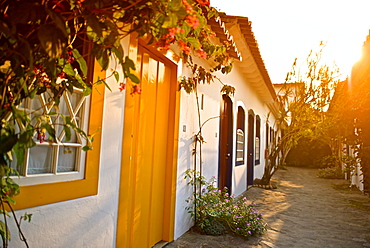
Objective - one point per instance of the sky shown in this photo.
(289, 29)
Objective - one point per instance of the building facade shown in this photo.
(130, 189)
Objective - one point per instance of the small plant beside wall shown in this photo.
(216, 212)
(331, 173)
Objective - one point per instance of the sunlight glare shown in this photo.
(289, 29)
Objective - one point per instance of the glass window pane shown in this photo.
(257, 154)
(40, 160)
(67, 159)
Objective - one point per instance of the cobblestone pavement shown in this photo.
(304, 211)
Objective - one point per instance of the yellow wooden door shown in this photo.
(147, 150)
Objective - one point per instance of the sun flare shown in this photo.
(286, 30)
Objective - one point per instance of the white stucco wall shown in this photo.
(89, 221)
(246, 97)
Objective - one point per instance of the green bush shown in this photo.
(212, 208)
(308, 153)
(329, 161)
(331, 173)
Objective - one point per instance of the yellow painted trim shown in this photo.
(126, 195)
(172, 158)
(42, 194)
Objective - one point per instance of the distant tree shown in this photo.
(305, 97)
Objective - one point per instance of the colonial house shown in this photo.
(130, 191)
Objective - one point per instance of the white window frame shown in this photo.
(80, 157)
(240, 146)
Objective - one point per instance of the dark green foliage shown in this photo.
(331, 173)
(308, 153)
(214, 227)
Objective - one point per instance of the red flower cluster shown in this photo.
(69, 57)
(40, 74)
(192, 21)
(62, 75)
(135, 90)
(185, 48)
(6, 105)
(41, 135)
(169, 38)
(122, 86)
(189, 8)
(204, 2)
(202, 53)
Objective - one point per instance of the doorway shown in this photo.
(226, 144)
(147, 188)
(250, 159)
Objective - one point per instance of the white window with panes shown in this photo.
(62, 160)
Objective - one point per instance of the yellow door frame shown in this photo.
(126, 206)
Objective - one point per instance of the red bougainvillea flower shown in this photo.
(122, 87)
(189, 8)
(203, 2)
(62, 75)
(174, 31)
(185, 48)
(202, 53)
(135, 90)
(192, 21)
(166, 40)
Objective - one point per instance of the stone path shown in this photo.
(303, 212)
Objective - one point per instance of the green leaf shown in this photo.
(194, 42)
(93, 22)
(7, 143)
(68, 69)
(175, 5)
(167, 22)
(86, 148)
(81, 61)
(129, 64)
(74, 82)
(25, 139)
(119, 54)
(102, 81)
(27, 217)
(52, 40)
(91, 34)
(104, 59)
(58, 20)
(50, 130)
(116, 75)
(4, 231)
(134, 78)
(67, 132)
(87, 91)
